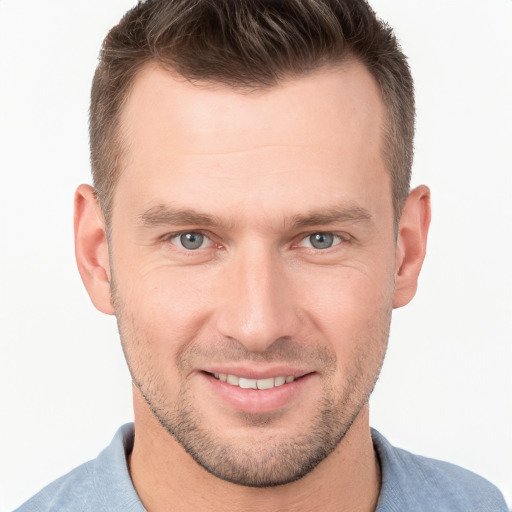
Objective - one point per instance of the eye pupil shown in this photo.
(191, 240)
(321, 240)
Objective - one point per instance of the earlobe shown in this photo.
(411, 244)
(91, 249)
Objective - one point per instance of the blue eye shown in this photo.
(190, 241)
(321, 240)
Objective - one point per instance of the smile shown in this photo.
(258, 391)
(269, 383)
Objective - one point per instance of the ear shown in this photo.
(91, 249)
(411, 244)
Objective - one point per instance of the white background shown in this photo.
(446, 387)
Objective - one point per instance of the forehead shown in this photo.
(347, 92)
(315, 135)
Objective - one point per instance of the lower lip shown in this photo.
(256, 401)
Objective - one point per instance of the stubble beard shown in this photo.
(265, 461)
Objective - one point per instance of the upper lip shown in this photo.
(251, 372)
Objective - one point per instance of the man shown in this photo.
(251, 227)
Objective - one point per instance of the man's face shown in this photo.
(253, 247)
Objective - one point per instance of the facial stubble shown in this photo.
(262, 459)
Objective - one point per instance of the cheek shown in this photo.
(352, 311)
(348, 298)
(166, 304)
(157, 316)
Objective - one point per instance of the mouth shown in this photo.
(244, 383)
(258, 392)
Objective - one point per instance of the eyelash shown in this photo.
(168, 238)
(343, 239)
(340, 239)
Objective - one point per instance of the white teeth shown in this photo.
(280, 381)
(233, 379)
(244, 383)
(266, 383)
(247, 383)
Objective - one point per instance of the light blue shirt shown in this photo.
(410, 483)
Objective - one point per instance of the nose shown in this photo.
(258, 301)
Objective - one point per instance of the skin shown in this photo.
(262, 172)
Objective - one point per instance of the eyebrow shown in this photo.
(161, 215)
(332, 216)
(167, 215)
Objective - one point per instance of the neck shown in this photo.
(163, 474)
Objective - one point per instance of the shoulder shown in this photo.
(102, 484)
(421, 483)
(69, 492)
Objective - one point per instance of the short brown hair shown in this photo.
(248, 44)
